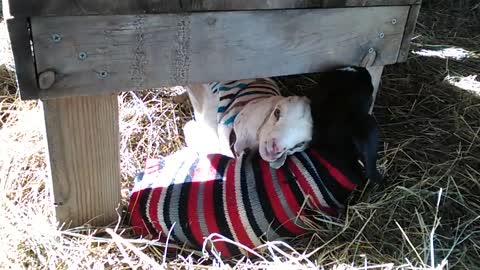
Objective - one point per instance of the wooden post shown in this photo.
(376, 73)
(83, 148)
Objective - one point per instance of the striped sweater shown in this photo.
(242, 199)
(233, 96)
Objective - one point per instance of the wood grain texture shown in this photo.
(139, 52)
(376, 73)
(83, 148)
(409, 31)
(18, 29)
(125, 7)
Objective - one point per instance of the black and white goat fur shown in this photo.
(342, 106)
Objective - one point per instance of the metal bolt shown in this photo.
(382, 35)
(82, 55)
(56, 38)
(394, 21)
(369, 58)
(46, 79)
(102, 74)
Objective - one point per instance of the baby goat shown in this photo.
(233, 117)
(340, 109)
(245, 200)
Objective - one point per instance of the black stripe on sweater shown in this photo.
(238, 95)
(265, 201)
(142, 205)
(246, 200)
(292, 183)
(167, 204)
(267, 91)
(185, 202)
(218, 205)
(329, 181)
(320, 180)
(231, 82)
(349, 167)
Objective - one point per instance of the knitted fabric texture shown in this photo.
(232, 98)
(243, 199)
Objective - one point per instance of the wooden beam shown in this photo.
(126, 7)
(19, 30)
(409, 32)
(101, 54)
(83, 148)
(376, 73)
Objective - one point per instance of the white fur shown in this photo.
(256, 126)
(351, 69)
(201, 134)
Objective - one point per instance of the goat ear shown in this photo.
(365, 138)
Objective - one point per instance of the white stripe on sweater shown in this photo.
(311, 182)
(241, 205)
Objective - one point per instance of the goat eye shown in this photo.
(276, 113)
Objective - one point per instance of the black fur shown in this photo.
(341, 121)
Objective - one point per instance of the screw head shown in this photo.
(382, 35)
(394, 21)
(102, 74)
(82, 55)
(56, 38)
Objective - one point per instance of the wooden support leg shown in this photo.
(376, 73)
(83, 148)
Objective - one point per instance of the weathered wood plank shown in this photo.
(18, 29)
(83, 144)
(115, 7)
(100, 54)
(376, 73)
(409, 32)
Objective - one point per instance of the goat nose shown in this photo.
(275, 148)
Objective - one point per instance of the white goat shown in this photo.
(235, 116)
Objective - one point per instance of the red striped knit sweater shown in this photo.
(243, 199)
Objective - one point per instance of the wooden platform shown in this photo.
(95, 48)
(27, 8)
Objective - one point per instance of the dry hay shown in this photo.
(427, 211)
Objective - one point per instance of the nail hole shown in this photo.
(382, 35)
(394, 21)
